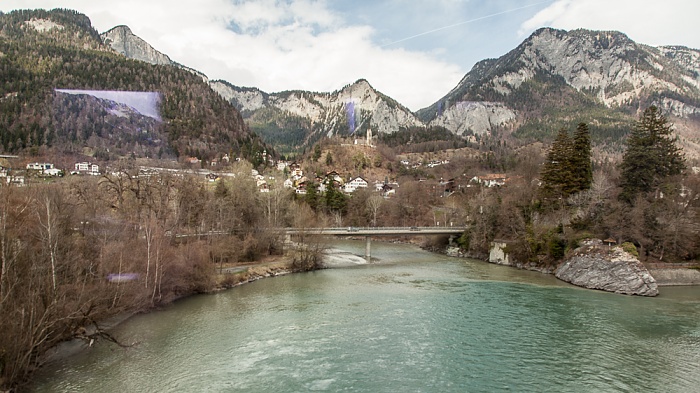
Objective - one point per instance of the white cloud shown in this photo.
(671, 22)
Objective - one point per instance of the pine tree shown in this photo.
(556, 173)
(651, 155)
(581, 159)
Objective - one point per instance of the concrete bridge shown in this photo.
(368, 232)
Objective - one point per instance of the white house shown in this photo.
(39, 166)
(297, 173)
(490, 180)
(16, 180)
(45, 168)
(354, 184)
(288, 183)
(88, 168)
(53, 172)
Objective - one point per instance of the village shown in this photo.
(351, 175)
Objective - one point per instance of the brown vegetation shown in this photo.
(84, 248)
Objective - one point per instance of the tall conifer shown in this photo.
(556, 174)
(581, 159)
(568, 167)
(651, 155)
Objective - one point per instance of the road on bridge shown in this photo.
(376, 231)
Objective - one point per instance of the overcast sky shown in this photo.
(414, 51)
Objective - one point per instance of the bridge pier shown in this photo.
(368, 248)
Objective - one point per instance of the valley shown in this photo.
(571, 136)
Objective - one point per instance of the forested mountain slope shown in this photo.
(44, 50)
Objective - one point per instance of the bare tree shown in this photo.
(374, 202)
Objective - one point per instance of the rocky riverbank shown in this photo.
(598, 266)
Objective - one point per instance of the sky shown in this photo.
(413, 51)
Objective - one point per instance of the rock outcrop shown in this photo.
(123, 41)
(611, 269)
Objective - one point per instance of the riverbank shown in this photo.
(226, 276)
(665, 274)
(233, 275)
(337, 329)
(669, 274)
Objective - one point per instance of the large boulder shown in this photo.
(597, 266)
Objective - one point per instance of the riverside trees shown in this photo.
(83, 248)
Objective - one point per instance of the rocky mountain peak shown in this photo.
(122, 40)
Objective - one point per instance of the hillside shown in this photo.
(41, 51)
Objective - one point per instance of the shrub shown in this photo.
(630, 248)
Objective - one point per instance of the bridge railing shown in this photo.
(349, 230)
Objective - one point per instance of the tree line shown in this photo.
(647, 200)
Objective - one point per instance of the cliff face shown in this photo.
(123, 41)
(553, 79)
(556, 78)
(611, 269)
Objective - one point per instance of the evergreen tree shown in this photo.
(334, 199)
(312, 197)
(651, 155)
(568, 168)
(317, 153)
(581, 159)
(556, 173)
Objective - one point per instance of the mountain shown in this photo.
(293, 119)
(41, 51)
(122, 40)
(556, 78)
(553, 79)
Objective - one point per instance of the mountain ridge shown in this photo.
(553, 79)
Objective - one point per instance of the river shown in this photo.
(411, 321)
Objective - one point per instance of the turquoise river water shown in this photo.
(411, 321)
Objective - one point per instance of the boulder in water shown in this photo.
(608, 268)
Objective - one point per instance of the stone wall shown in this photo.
(676, 276)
